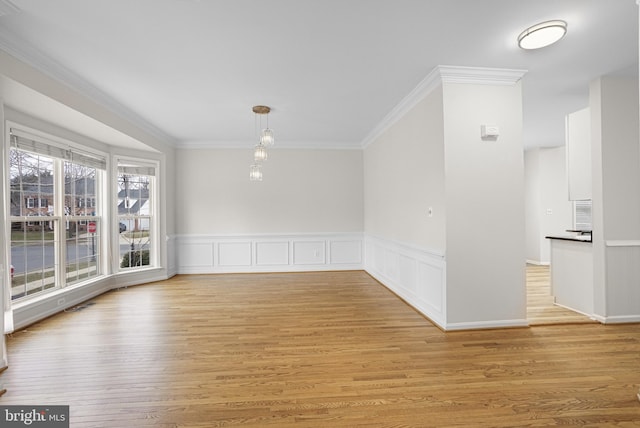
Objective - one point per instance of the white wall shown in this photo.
(548, 210)
(485, 250)
(303, 191)
(404, 177)
(532, 205)
(306, 214)
(616, 200)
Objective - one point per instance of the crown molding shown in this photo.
(249, 145)
(424, 88)
(480, 75)
(437, 76)
(34, 58)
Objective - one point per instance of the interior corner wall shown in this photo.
(485, 222)
(303, 191)
(404, 179)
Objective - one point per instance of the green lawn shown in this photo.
(21, 236)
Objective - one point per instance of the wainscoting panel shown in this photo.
(622, 279)
(416, 275)
(234, 253)
(272, 253)
(196, 254)
(269, 253)
(345, 252)
(309, 253)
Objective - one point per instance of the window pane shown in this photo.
(134, 216)
(79, 187)
(33, 256)
(82, 250)
(31, 182)
(83, 234)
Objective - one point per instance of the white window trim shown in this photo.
(145, 166)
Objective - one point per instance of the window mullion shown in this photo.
(60, 231)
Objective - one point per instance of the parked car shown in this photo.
(123, 227)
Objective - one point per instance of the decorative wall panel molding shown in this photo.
(416, 275)
(269, 253)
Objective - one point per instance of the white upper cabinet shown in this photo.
(578, 144)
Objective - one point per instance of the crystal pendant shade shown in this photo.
(255, 173)
(260, 153)
(266, 137)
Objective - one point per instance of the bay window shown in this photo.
(55, 240)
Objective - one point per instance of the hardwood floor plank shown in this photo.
(541, 309)
(313, 350)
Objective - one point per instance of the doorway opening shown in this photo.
(541, 308)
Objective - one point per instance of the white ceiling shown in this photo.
(330, 69)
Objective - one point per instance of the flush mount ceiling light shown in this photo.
(543, 34)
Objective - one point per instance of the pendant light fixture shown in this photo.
(265, 139)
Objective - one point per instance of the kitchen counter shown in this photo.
(577, 238)
(572, 272)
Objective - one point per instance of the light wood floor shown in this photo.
(540, 307)
(313, 350)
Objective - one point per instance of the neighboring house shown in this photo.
(134, 203)
(36, 199)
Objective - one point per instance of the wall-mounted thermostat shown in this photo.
(489, 131)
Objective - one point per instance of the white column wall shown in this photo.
(485, 206)
(616, 201)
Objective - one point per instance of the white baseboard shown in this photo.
(42, 307)
(486, 325)
(625, 319)
(418, 276)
